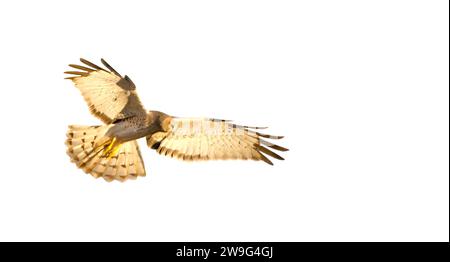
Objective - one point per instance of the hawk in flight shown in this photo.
(110, 151)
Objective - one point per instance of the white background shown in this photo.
(359, 88)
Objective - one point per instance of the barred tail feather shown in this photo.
(100, 156)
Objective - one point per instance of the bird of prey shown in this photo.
(110, 150)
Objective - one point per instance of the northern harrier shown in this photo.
(110, 151)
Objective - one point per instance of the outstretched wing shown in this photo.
(208, 139)
(109, 96)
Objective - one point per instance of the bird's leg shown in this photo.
(114, 151)
(111, 149)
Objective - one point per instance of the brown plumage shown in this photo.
(110, 151)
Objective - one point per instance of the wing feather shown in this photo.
(109, 96)
(215, 139)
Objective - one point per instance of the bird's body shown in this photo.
(137, 126)
(110, 151)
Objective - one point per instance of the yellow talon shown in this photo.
(111, 145)
(112, 149)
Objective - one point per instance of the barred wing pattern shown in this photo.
(109, 95)
(209, 139)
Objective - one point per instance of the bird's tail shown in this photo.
(101, 156)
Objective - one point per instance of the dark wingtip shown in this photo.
(268, 136)
(268, 152)
(86, 62)
(109, 67)
(265, 159)
(279, 148)
(76, 73)
(79, 67)
(220, 120)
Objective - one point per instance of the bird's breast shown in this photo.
(131, 129)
